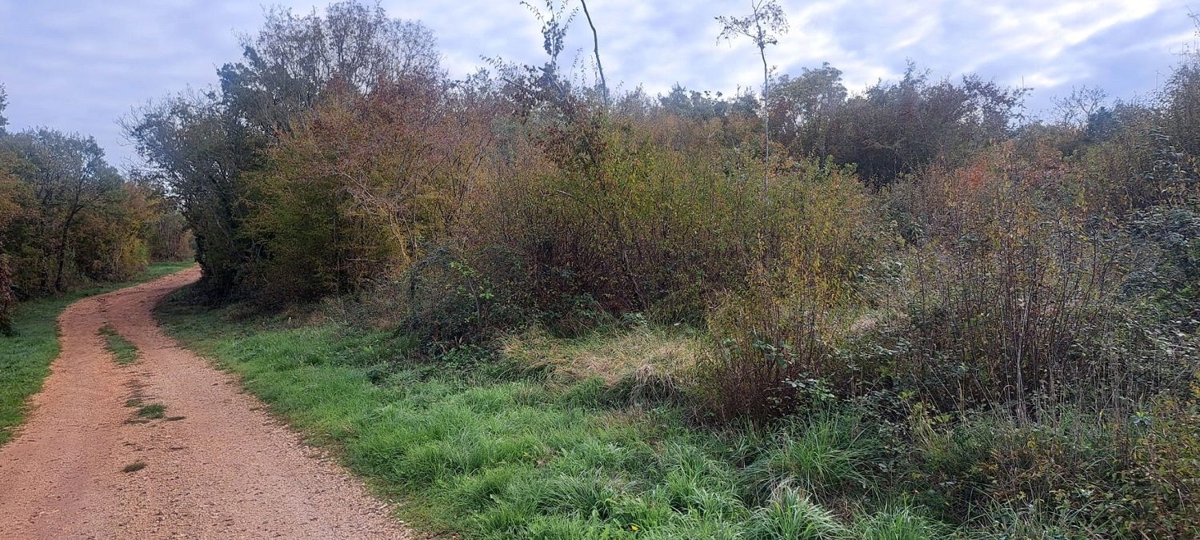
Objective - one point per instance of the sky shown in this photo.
(80, 65)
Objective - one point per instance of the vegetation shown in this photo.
(123, 351)
(152, 411)
(506, 447)
(527, 443)
(68, 219)
(26, 356)
(541, 308)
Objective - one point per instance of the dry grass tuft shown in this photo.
(644, 355)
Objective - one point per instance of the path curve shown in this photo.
(220, 467)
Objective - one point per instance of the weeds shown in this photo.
(123, 351)
(153, 411)
(831, 454)
(525, 457)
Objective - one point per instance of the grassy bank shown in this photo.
(25, 358)
(507, 449)
(576, 438)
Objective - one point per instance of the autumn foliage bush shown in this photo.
(1009, 287)
(617, 214)
(1011, 309)
(781, 328)
(67, 217)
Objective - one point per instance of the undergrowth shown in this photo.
(520, 443)
(525, 452)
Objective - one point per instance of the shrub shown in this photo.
(1074, 473)
(358, 188)
(8, 300)
(1008, 293)
(452, 300)
(770, 348)
(779, 335)
(613, 216)
(1160, 489)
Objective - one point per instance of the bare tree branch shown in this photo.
(596, 47)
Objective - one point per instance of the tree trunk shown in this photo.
(596, 47)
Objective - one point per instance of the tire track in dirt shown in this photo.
(219, 467)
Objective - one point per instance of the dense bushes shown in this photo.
(220, 152)
(359, 188)
(780, 328)
(1009, 290)
(911, 256)
(67, 218)
(987, 274)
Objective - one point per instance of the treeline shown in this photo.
(68, 218)
(918, 246)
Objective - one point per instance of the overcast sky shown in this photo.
(79, 65)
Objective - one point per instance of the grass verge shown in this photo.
(25, 358)
(485, 449)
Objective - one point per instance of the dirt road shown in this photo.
(216, 466)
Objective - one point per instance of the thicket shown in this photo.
(917, 249)
(69, 219)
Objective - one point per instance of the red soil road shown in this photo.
(226, 469)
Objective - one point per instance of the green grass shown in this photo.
(25, 358)
(152, 411)
(536, 442)
(484, 452)
(123, 351)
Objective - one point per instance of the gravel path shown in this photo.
(216, 467)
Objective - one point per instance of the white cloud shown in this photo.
(77, 65)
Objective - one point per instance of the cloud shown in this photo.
(79, 65)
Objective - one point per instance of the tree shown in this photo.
(896, 128)
(205, 147)
(287, 67)
(69, 176)
(596, 48)
(765, 21)
(530, 87)
(707, 105)
(804, 109)
(200, 150)
(14, 204)
(362, 185)
(1077, 108)
(3, 105)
